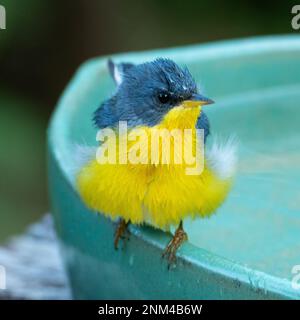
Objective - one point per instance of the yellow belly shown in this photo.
(173, 195)
(158, 194)
(114, 190)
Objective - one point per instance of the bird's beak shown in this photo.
(197, 100)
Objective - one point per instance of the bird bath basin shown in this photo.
(247, 250)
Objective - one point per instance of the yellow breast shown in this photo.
(154, 192)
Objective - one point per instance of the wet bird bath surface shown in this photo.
(249, 248)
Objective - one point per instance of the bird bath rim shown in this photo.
(59, 140)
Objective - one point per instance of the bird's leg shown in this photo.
(179, 237)
(120, 232)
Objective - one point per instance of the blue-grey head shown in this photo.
(146, 93)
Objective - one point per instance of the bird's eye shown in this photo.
(164, 97)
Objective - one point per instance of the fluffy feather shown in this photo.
(160, 194)
(222, 158)
(82, 154)
(157, 193)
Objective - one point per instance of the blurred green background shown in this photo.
(44, 43)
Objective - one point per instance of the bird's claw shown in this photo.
(169, 253)
(121, 232)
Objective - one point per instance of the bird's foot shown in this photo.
(121, 232)
(178, 239)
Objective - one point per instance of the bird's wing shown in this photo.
(105, 115)
(203, 123)
(117, 71)
(222, 157)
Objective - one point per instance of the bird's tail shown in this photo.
(222, 157)
(117, 71)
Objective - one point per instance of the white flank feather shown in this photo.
(82, 154)
(222, 158)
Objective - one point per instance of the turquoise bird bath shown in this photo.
(249, 250)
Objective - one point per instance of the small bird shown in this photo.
(150, 96)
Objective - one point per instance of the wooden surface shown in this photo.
(33, 266)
